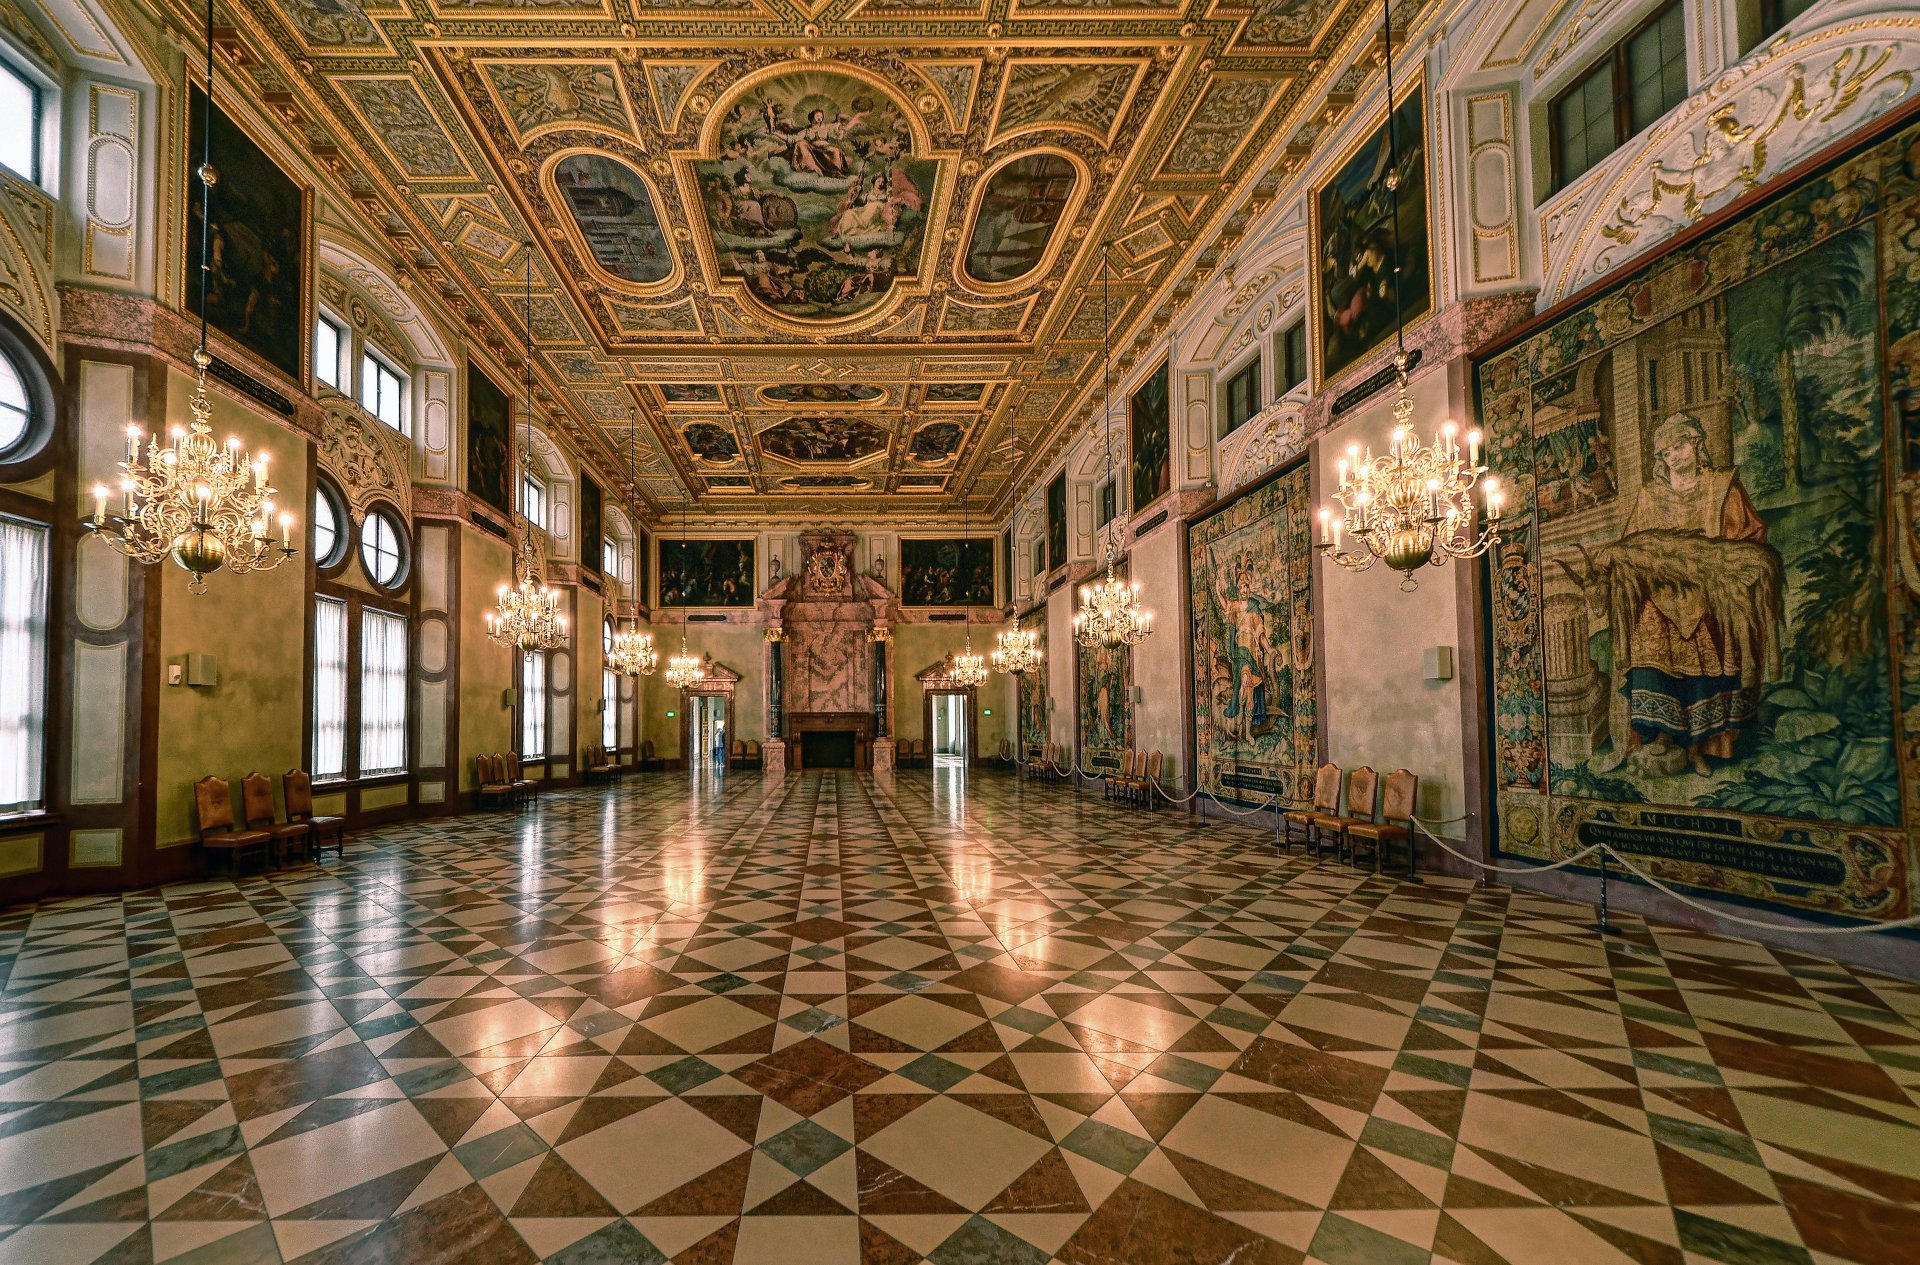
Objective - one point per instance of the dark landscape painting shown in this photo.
(689, 393)
(824, 438)
(1057, 522)
(712, 442)
(946, 572)
(706, 573)
(1149, 422)
(822, 393)
(256, 290)
(489, 440)
(591, 526)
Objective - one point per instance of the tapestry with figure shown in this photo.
(1704, 614)
(1250, 581)
(1104, 700)
(1033, 685)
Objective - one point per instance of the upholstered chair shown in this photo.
(256, 802)
(1299, 822)
(1396, 820)
(213, 809)
(296, 788)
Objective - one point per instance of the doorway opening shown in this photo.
(947, 741)
(707, 732)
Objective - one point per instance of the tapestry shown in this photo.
(256, 295)
(591, 528)
(946, 572)
(1148, 424)
(1057, 522)
(1104, 677)
(1707, 608)
(1255, 698)
(1353, 240)
(706, 573)
(1034, 729)
(489, 440)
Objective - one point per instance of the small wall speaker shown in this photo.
(202, 670)
(1437, 663)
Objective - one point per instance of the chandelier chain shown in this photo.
(1110, 611)
(526, 614)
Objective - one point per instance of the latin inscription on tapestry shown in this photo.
(259, 238)
(706, 573)
(1354, 241)
(1057, 522)
(1255, 698)
(816, 202)
(1147, 421)
(1104, 676)
(1705, 614)
(946, 572)
(489, 428)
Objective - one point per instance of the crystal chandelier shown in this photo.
(1110, 611)
(526, 614)
(1018, 652)
(203, 505)
(632, 652)
(1413, 506)
(966, 669)
(685, 669)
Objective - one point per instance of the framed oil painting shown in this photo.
(946, 572)
(489, 440)
(1255, 698)
(257, 296)
(1706, 613)
(1057, 522)
(706, 573)
(1103, 693)
(591, 527)
(1149, 425)
(1354, 242)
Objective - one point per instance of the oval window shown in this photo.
(329, 542)
(383, 549)
(1019, 212)
(16, 413)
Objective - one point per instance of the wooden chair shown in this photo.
(213, 807)
(1150, 781)
(1120, 785)
(1363, 805)
(296, 788)
(736, 753)
(594, 766)
(524, 787)
(493, 790)
(753, 759)
(648, 758)
(256, 804)
(1395, 824)
(1298, 824)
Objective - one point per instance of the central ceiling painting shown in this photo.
(816, 200)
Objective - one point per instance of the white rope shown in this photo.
(1503, 869)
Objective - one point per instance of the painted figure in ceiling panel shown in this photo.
(712, 443)
(689, 392)
(936, 442)
(823, 439)
(955, 392)
(816, 201)
(1017, 215)
(613, 207)
(822, 393)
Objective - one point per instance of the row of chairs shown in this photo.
(597, 764)
(744, 755)
(1045, 762)
(1138, 781)
(300, 834)
(500, 781)
(1370, 821)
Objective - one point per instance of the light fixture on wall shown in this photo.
(685, 669)
(1414, 506)
(203, 505)
(1110, 610)
(1018, 650)
(526, 614)
(632, 652)
(966, 669)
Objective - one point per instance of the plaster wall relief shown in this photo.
(1489, 233)
(370, 461)
(109, 251)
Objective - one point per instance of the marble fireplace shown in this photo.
(831, 672)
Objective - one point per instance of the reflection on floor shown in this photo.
(824, 1019)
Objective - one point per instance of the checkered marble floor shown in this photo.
(828, 1019)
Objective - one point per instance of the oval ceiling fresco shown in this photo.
(815, 200)
(1020, 210)
(823, 439)
(613, 208)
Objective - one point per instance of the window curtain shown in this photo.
(23, 665)
(533, 706)
(610, 710)
(329, 688)
(383, 693)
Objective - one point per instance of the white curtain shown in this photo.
(533, 705)
(23, 665)
(383, 693)
(610, 713)
(329, 688)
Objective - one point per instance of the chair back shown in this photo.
(213, 804)
(256, 799)
(1363, 793)
(296, 787)
(736, 748)
(1153, 767)
(483, 771)
(1403, 789)
(646, 749)
(753, 748)
(510, 764)
(1326, 788)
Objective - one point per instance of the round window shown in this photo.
(16, 415)
(383, 549)
(329, 542)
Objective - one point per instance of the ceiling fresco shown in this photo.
(744, 209)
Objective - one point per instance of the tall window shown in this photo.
(329, 688)
(1774, 14)
(20, 139)
(533, 705)
(23, 664)
(533, 500)
(1638, 80)
(609, 687)
(609, 556)
(327, 337)
(1108, 506)
(1243, 398)
(383, 392)
(383, 693)
(1293, 356)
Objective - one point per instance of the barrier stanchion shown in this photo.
(1603, 926)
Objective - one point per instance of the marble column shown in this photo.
(773, 756)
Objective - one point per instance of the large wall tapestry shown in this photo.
(1706, 611)
(612, 206)
(816, 201)
(706, 573)
(591, 525)
(1057, 522)
(1353, 238)
(1255, 701)
(946, 572)
(256, 296)
(1103, 676)
(489, 433)
(1033, 685)
(1147, 422)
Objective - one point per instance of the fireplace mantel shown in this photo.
(859, 724)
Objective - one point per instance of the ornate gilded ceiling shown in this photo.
(824, 255)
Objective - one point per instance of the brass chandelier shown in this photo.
(204, 505)
(632, 652)
(1110, 611)
(526, 614)
(1413, 506)
(1018, 651)
(685, 670)
(966, 669)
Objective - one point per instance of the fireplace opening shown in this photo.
(827, 749)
